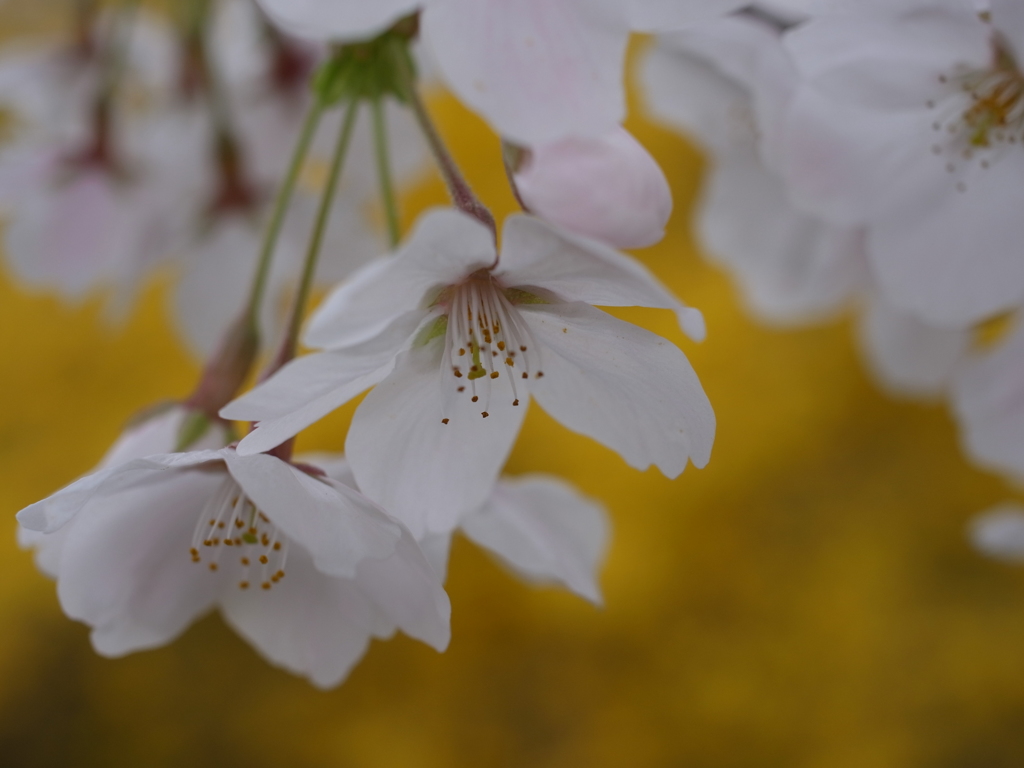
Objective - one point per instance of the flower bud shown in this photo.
(606, 187)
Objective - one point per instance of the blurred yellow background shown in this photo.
(808, 600)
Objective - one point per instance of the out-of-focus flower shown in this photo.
(605, 187)
(83, 177)
(908, 357)
(538, 525)
(537, 71)
(999, 532)
(912, 122)
(725, 84)
(456, 341)
(303, 567)
(988, 400)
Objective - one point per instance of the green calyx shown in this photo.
(432, 331)
(368, 70)
(193, 427)
(519, 296)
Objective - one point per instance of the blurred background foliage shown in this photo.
(808, 600)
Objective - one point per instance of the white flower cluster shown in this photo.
(866, 153)
(232, 144)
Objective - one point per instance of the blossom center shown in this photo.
(487, 337)
(985, 111)
(232, 533)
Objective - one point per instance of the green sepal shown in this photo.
(519, 296)
(365, 71)
(192, 429)
(430, 332)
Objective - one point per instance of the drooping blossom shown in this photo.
(541, 527)
(911, 122)
(303, 567)
(605, 187)
(537, 71)
(456, 340)
(725, 84)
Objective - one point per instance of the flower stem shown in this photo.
(298, 309)
(387, 191)
(281, 202)
(462, 194)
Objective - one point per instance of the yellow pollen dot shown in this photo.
(253, 530)
(229, 543)
(485, 414)
(265, 540)
(565, 330)
(263, 559)
(220, 525)
(522, 349)
(494, 374)
(515, 402)
(265, 585)
(239, 524)
(213, 566)
(461, 389)
(444, 421)
(238, 542)
(526, 375)
(280, 574)
(475, 398)
(277, 546)
(193, 551)
(213, 522)
(195, 558)
(215, 542)
(510, 362)
(540, 374)
(501, 345)
(207, 543)
(245, 561)
(462, 351)
(243, 585)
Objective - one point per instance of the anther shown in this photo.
(444, 421)
(245, 561)
(540, 374)
(475, 398)
(213, 566)
(264, 559)
(526, 375)
(461, 389)
(515, 402)
(265, 585)
(485, 414)
(494, 374)
(501, 345)
(243, 585)
(277, 546)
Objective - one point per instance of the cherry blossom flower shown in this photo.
(605, 187)
(725, 84)
(539, 526)
(537, 71)
(911, 122)
(456, 341)
(305, 568)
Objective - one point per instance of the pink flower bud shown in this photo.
(606, 187)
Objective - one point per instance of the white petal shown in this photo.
(444, 247)
(907, 356)
(792, 267)
(954, 257)
(311, 386)
(436, 548)
(546, 531)
(425, 473)
(337, 19)
(408, 591)
(537, 70)
(999, 532)
(656, 15)
(606, 187)
(622, 386)
(48, 547)
(55, 511)
(339, 526)
(125, 568)
(988, 394)
(312, 624)
(538, 254)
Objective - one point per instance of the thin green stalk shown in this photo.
(387, 190)
(281, 202)
(298, 309)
